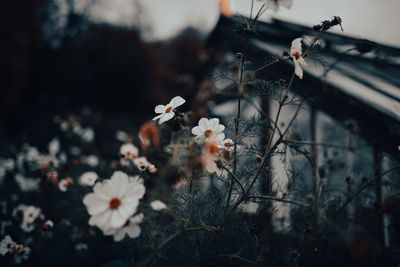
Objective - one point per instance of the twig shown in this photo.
(280, 200)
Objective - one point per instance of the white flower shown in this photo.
(129, 151)
(158, 205)
(64, 184)
(87, 135)
(91, 160)
(114, 201)
(298, 60)
(29, 216)
(223, 143)
(6, 244)
(132, 229)
(88, 178)
(167, 111)
(274, 4)
(206, 128)
(121, 136)
(27, 184)
(54, 146)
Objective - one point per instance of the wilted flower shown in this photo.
(88, 178)
(64, 184)
(206, 128)
(114, 201)
(298, 60)
(274, 4)
(167, 111)
(149, 134)
(158, 205)
(132, 228)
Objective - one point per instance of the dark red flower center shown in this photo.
(115, 203)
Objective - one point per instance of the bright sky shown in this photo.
(376, 20)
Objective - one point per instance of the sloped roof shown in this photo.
(364, 82)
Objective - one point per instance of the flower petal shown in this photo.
(159, 109)
(296, 46)
(116, 219)
(119, 234)
(166, 117)
(177, 101)
(94, 204)
(133, 230)
(298, 70)
(219, 129)
(120, 183)
(101, 220)
(203, 123)
(197, 130)
(157, 117)
(213, 122)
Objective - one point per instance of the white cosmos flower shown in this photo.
(223, 143)
(206, 128)
(132, 228)
(88, 178)
(274, 4)
(114, 201)
(167, 111)
(298, 60)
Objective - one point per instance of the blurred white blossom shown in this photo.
(88, 178)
